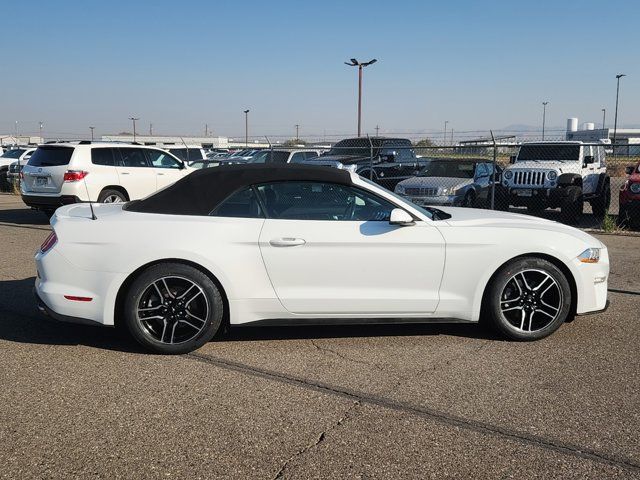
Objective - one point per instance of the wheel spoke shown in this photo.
(524, 316)
(524, 280)
(191, 315)
(164, 330)
(193, 297)
(544, 280)
(190, 324)
(518, 307)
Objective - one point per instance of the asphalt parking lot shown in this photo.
(419, 401)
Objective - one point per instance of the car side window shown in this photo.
(102, 156)
(297, 157)
(309, 155)
(133, 157)
(242, 204)
(322, 201)
(481, 171)
(160, 159)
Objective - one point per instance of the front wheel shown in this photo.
(572, 205)
(172, 308)
(528, 299)
(600, 205)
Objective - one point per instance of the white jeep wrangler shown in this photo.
(558, 174)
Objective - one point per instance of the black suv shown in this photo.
(384, 160)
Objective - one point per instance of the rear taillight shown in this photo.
(51, 240)
(74, 175)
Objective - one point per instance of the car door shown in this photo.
(482, 180)
(135, 172)
(590, 171)
(330, 248)
(167, 168)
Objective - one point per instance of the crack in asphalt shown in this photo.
(343, 356)
(421, 411)
(28, 227)
(318, 441)
(624, 292)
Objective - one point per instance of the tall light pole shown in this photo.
(92, 128)
(297, 132)
(544, 116)
(615, 121)
(150, 129)
(246, 128)
(41, 127)
(134, 120)
(16, 135)
(356, 63)
(445, 133)
(377, 130)
(604, 116)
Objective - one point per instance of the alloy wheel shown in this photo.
(113, 199)
(531, 300)
(173, 310)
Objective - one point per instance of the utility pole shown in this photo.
(246, 128)
(15, 140)
(452, 136)
(445, 133)
(150, 129)
(92, 128)
(356, 63)
(206, 129)
(615, 121)
(134, 120)
(377, 130)
(544, 116)
(41, 126)
(604, 116)
(297, 132)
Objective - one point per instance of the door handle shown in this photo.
(124, 173)
(160, 173)
(287, 242)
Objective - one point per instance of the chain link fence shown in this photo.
(575, 183)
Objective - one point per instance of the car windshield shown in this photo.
(429, 213)
(448, 168)
(551, 152)
(353, 148)
(15, 153)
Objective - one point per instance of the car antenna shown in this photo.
(186, 160)
(93, 214)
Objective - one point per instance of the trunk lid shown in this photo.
(44, 173)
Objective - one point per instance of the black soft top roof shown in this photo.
(203, 190)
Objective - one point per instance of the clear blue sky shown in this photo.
(180, 65)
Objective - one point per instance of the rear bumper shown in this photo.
(48, 201)
(59, 317)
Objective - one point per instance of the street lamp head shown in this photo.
(370, 62)
(246, 111)
(620, 75)
(545, 103)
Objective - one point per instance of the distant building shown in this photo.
(627, 139)
(162, 140)
(22, 140)
(484, 146)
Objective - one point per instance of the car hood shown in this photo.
(560, 167)
(475, 217)
(435, 182)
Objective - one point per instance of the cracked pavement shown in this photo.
(415, 401)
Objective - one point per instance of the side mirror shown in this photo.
(512, 159)
(629, 170)
(589, 160)
(401, 218)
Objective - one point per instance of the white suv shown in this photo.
(16, 155)
(63, 173)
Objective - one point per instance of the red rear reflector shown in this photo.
(78, 299)
(49, 242)
(74, 175)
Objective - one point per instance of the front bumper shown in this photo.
(48, 201)
(522, 196)
(592, 284)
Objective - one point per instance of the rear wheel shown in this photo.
(172, 308)
(528, 299)
(109, 195)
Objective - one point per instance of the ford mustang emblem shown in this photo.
(39, 170)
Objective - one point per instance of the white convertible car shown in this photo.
(308, 245)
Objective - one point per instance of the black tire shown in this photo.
(469, 200)
(501, 199)
(5, 186)
(153, 333)
(49, 212)
(572, 205)
(109, 195)
(503, 311)
(601, 204)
